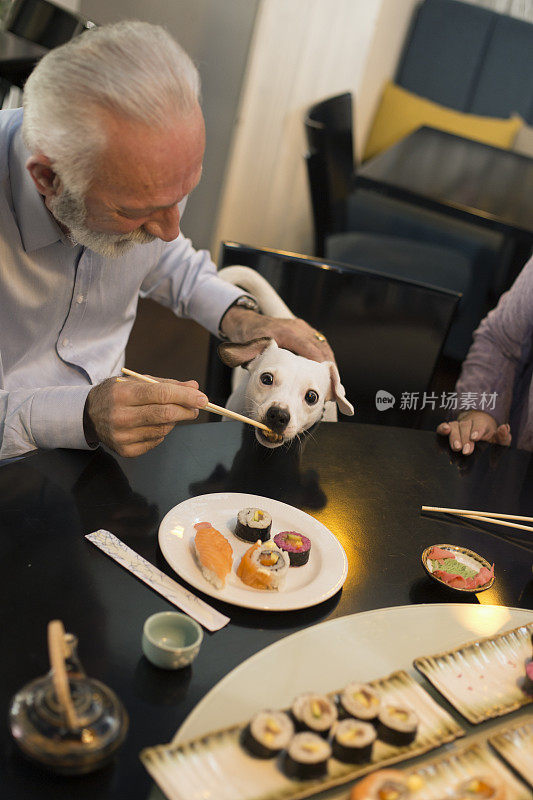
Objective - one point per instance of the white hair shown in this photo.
(132, 69)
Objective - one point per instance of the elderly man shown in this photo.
(95, 173)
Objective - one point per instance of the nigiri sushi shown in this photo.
(263, 566)
(214, 554)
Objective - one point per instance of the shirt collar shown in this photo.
(36, 225)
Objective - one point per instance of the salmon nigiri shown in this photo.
(214, 554)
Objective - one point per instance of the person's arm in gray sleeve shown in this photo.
(41, 418)
(186, 281)
(501, 343)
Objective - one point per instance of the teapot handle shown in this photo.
(58, 650)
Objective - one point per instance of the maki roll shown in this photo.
(314, 712)
(397, 725)
(253, 524)
(387, 783)
(353, 741)
(360, 701)
(479, 788)
(296, 545)
(267, 733)
(263, 566)
(307, 756)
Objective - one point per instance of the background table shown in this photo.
(365, 483)
(461, 177)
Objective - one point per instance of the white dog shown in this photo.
(286, 392)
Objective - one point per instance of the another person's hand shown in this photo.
(131, 416)
(242, 325)
(471, 427)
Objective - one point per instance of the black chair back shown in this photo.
(329, 131)
(44, 23)
(386, 332)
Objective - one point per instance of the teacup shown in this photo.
(171, 640)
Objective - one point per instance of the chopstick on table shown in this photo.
(214, 409)
(485, 516)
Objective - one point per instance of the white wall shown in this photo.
(302, 51)
(390, 32)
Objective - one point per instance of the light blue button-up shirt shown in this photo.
(66, 312)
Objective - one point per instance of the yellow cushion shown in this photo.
(401, 112)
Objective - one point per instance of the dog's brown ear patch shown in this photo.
(235, 355)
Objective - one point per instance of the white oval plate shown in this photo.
(320, 578)
(359, 647)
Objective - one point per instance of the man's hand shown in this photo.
(131, 417)
(241, 325)
(474, 426)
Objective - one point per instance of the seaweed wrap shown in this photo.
(314, 712)
(267, 733)
(360, 701)
(307, 756)
(353, 741)
(253, 524)
(397, 725)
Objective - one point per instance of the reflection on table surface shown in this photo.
(365, 483)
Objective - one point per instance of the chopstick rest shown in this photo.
(196, 608)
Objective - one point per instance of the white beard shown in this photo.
(69, 209)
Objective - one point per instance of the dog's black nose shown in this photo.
(277, 418)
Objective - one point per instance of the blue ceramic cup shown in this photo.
(171, 640)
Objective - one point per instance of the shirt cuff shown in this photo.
(211, 301)
(57, 417)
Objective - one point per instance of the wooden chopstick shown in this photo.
(466, 512)
(497, 521)
(214, 409)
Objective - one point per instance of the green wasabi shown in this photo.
(453, 566)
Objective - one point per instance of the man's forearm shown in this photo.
(238, 324)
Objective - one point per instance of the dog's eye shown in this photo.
(267, 378)
(311, 397)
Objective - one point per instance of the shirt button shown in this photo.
(79, 299)
(66, 342)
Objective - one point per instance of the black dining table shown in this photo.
(365, 483)
(464, 178)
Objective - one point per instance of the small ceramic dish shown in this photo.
(464, 556)
(171, 640)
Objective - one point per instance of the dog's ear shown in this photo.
(237, 355)
(337, 392)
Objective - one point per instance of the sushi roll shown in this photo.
(387, 783)
(296, 545)
(263, 566)
(314, 712)
(479, 788)
(353, 741)
(253, 524)
(360, 701)
(267, 733)
(307, 756)
(213, 553)
(397, 725)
